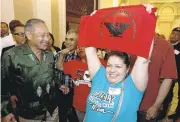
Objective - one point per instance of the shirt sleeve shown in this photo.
(99, 77)
(7, 71)
(7, 41)
(168, 68)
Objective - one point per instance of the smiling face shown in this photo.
(4, 29)
(39, 37)
(116, 69)
(174, 37)
(18, 35)
(71, 39)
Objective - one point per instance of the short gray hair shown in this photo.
(30, 23)
(72, 31)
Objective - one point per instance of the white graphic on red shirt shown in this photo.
(82, 77)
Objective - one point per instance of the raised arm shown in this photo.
(92, 60)
(62, 53)
(140, 71)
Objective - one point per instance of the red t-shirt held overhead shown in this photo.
(129, 29)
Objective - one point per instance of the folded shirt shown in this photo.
(129, 29)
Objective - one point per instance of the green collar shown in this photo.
(27, 50)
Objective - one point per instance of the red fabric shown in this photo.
(94, 30)
(82, 91)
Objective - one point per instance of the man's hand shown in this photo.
(9, 118)
(152, 113)
(68, 49)
(64, 89)
(13, 100)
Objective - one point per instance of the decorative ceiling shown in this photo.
(79, 7)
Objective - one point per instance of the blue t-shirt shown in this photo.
(102, 106)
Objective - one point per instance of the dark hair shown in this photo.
(30, 23)
(4, 23)
(124, 56)
(13, 24)
(176, 29)
(52, 38)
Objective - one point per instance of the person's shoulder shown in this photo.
(162, 43)
(160, 40)
(17, 49)
(7, 48)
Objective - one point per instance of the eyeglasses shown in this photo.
(19, 34)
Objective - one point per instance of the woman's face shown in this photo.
(116, 69)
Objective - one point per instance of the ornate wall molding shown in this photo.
(79, 7)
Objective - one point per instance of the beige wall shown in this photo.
(42, 10)
(55, 21)
(23, 10)
(7, 10)
(168, 17)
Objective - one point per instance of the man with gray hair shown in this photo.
(65, 96)
(29, 68)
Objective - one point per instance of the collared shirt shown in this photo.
(6, 42)
(69, 57)
(27, 77)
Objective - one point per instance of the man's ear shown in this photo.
(28, 35)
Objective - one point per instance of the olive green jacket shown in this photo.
(27, 77)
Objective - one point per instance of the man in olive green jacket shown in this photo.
(28, 71)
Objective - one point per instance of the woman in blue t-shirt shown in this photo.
(115, 94)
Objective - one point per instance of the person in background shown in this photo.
(16, 27)
(4, 29)
(6, 38)
(17, 31)
(78, 71)
(175, 41)
(69, 53)
(161, 74)
(53, 48)
(66, 110)
(163, 36)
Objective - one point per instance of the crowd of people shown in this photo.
(82, 84)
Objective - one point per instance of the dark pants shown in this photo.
(168, 100)
(141, 117)
(66, 110)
